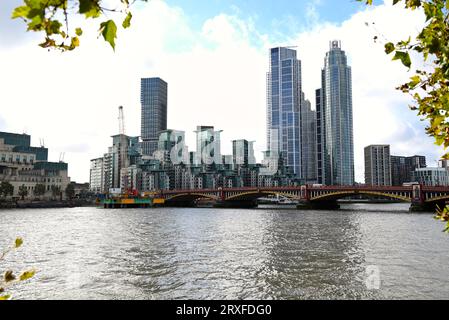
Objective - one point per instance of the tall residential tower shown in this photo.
(335, 120)
(153, 97)
(283, 107)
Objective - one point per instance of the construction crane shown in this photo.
(121, 121)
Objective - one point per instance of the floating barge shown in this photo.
(125, 203)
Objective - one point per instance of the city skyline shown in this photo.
(200, 74)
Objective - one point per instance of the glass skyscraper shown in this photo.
(335, 120)
(153, 97)
(283, 107)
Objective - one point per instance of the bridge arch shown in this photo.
(343, 194)
(438, 199)
(190, 197)
(254, 195)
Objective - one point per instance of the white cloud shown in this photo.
(216, 76)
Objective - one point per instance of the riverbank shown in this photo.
(42, 204)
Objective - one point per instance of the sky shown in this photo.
(214, 56)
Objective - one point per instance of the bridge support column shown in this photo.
(426, 206)
(238, 204)
(318, 205)
(180, 204)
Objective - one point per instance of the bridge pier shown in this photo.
(180, 204)
(318, 205)
(237, 204)
(426, 206)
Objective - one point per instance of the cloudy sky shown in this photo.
(214, 56)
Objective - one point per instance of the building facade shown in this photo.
(283, 107)
(96, 180)
(153, 96)
(308, 143)
(378, 165)
(432, 177)
(402, 168)
(335, 120)
(24, 167)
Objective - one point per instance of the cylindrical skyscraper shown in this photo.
(335, 120)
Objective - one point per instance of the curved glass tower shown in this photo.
(335, 120)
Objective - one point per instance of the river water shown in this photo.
(364, 251)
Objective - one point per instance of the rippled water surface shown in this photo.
(265, 253)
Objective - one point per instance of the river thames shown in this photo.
(264, 253)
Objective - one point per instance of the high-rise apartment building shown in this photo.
(96, 178)
(402, 168)
(153, 96)
(378, 165)
(208, 147)
(283, 107)
(335, 120)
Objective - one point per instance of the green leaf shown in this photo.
(74, 43)
(5, 297)
(389, 48)
(27, 275)
(18, 242)
(109, 31)
(90, 8)
(79, 32)
(20, 12)
(127, 22)
(404, 57)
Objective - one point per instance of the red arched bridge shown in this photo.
(314, 197)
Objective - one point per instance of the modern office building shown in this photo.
(283, 107)
(335, 120)
(153, 96)
(402, 168)
(431, 176)
(378, 165)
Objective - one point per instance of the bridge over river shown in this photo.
(421, 198)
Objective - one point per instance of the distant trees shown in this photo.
(70, 191)
(23, 191)
(39, 190)
(6, 189)
(55, 191)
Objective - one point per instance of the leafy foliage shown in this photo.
(443, 215)
(55, 191)
(6, 189)
(70, 191)
(23, 191)
(52, 18)
(39, 190)
(9, 277)
(429, 89)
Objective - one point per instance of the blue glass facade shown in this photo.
(335, 120)
(283, 107)
(153, 96)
